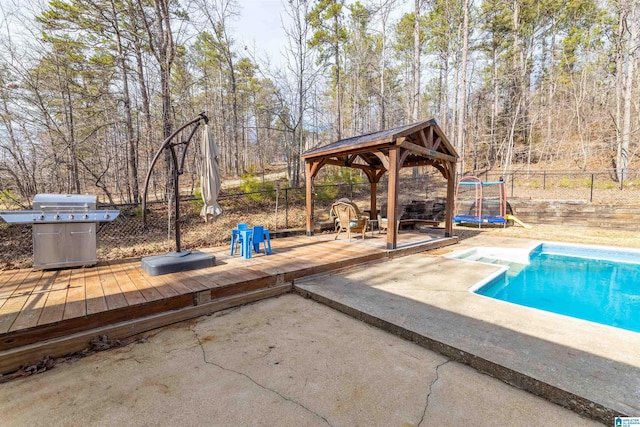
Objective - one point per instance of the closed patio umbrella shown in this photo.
(210, 179)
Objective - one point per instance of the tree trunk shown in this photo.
(336, 53)
(494, 109)
(73, 183)
(146, 109)
(131, 140)
(445, 91)
(462, 112)
(234, 107)
(551, 90)
(383, 65)
(416, 63)
(163, 48)
(628, 91)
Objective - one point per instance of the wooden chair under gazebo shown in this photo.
(417, 144)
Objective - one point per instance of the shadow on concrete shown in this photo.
(586, 383)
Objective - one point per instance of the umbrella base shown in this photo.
(174, 262)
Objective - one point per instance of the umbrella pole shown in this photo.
(176, 200)
(176, 172)
(175, 261)
(176, 175)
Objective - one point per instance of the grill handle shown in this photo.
(64, 207)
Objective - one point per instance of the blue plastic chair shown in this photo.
(261, 235)
(236, 237)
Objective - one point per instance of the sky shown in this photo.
(260, 25)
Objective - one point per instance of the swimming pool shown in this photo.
(591, 283)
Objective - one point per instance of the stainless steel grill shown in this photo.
(64, 228)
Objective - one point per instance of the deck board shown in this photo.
(186, 278)
(18, 299)
(76, 305)
(54, 307)
(15, 281)
(112, 291)
(151, 289)
(36, 306)
(5, 279)
(35, 303)
(160, 284)
(171, 282)
(9, 285)
(131, 292)
(96, 302)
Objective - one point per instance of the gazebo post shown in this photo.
(309, 198)
(451, 188)
(392, 198)
(372, 204)
(374, 177)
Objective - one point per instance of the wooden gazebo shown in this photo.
(417, 144)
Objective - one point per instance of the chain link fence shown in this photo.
(599, 187)
(127, 236)
(422, 195)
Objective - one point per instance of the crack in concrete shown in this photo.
(435, 380)
(295, 402)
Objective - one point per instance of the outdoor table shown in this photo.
(247, 244)
(368, 213)
(371, 223)
(236, 234)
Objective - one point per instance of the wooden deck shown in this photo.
(52, 313)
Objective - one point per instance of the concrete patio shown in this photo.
(591, 368)
(291, 361)
(286, 361)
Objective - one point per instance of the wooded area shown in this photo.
(89, 89)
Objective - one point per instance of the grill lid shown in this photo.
(61, 201)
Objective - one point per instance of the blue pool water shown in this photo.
(598, 285)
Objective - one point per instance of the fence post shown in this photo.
(513, 178)
(286, 208)
(622, 180)
(544, 180)
(350, 190)
(591, 197)
(275, 218)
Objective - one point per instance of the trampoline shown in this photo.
(480, 202)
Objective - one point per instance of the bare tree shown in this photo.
(300, 67)
(415, 65)
(462, 112)
(156, 22)
(631, 46)
(384, 9)
(219, 14)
